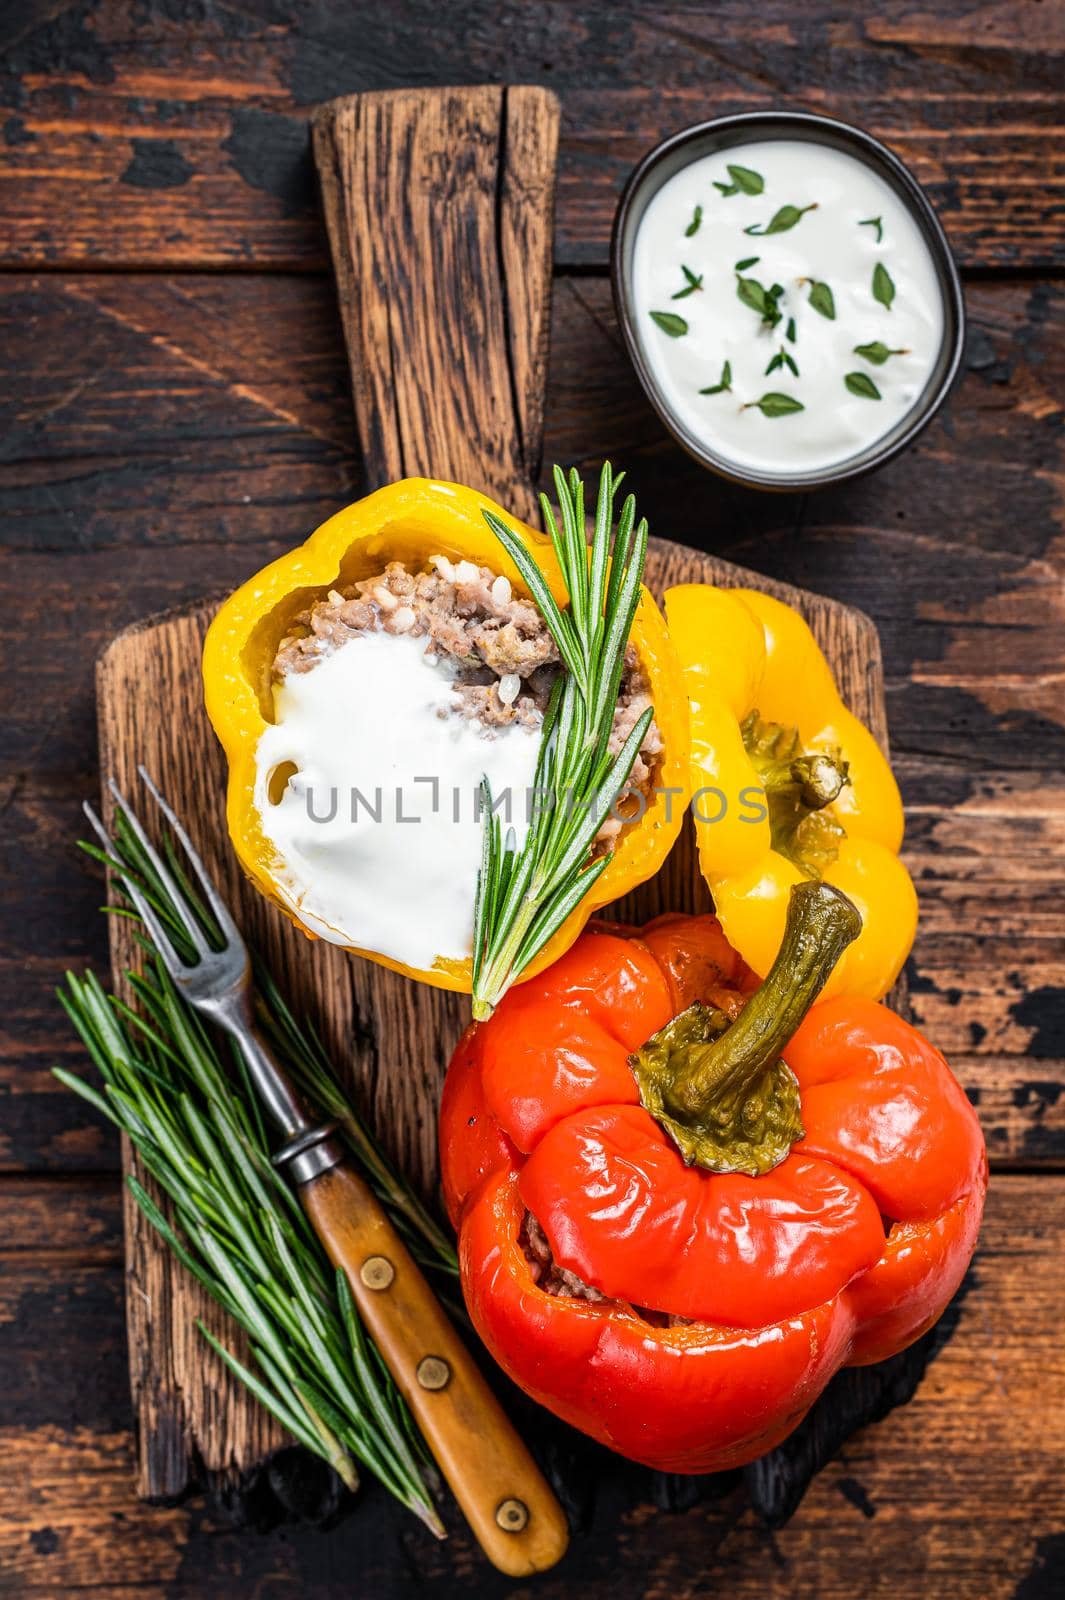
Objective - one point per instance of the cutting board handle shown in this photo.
(439, 205)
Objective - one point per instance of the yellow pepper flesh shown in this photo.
(410, 521)
(744, 652)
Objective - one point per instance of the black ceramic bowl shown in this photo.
(725, 133)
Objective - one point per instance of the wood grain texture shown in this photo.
(165, 435)
(439, 208)
(166, 432)
(957, 1494)
(136, 139)
(389, 1037)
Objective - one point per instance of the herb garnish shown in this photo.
(782, 359)
(525, 895)
(744, 181)
(877, 352)
(874, 222)
(693, 226)
(822, 298)
(860, 383)
(883, 287)
(725, 384)
(670, 323)
(781, 220)
(760, 299)
(692, 282)
(775, 404)
(179, 1094)
(748, 261)
(789, 331)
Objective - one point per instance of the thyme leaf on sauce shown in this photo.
(775, 404)
(744, 181)
(861, 384)
(782, 359)
(877, 352)
(724, 385)
(822, 299)
(874, 222)
(693, 281)
(781, 221)
(883, 285)
(758, 298)
(693, 226)
(670, 323)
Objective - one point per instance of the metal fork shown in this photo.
(511, 1509)
(219, 985)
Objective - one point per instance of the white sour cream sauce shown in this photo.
(374, 716)
(828, 245)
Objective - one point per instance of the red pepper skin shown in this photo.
(786, 1277)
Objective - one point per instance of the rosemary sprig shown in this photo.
(239, 1230)
(182, 1097)
(525, 894)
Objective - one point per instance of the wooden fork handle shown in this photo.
(507, 1501)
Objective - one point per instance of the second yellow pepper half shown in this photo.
(787, 784)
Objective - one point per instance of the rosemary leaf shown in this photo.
(524, 894)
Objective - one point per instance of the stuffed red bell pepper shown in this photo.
(668, 1236)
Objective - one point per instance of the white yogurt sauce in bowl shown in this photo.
(788, 313)
(376, 830)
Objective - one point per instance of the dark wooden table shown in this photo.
(176, 412)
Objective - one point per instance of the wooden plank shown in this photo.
(183, 429)
(458, 185)
(389, 1037)
(392, 167)
(958, 1493)
(136, 138)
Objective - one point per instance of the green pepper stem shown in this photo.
(821, 923)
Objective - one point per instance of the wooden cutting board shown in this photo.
(439, 207)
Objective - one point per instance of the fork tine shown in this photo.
(188, 921)
(227, 927)
(161, 939)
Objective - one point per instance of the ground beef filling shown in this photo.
(555, 1280)
(505, 656)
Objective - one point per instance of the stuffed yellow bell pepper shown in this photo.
(787, 784)
(400, 531)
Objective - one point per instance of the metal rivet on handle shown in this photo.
(433, 1372)
(377, 1272)
(512, 1515)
